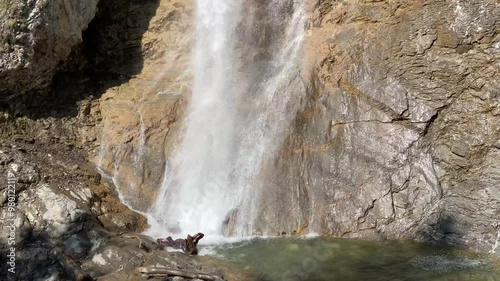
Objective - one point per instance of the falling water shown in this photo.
(246, 64)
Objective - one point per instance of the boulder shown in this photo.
(35, 37)
(52, 212)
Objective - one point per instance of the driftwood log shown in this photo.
(163, 271)
(188, 245)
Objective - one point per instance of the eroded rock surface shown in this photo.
(35, 37)
(139, 125)
(70, 224)
(397, 138)
(67, 214)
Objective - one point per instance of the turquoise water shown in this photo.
(328, 259)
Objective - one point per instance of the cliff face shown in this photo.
(35, 37)
(399, 136)
(138, 125)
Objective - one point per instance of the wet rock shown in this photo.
(390, 128)
(120, 257)
(147, 119)
(393, 140)
(58, 237)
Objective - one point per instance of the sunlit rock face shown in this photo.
(397, 135)
(138, 118)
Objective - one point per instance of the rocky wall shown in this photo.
(399, 135)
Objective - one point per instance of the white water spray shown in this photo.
(239, 112)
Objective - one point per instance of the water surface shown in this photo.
(318, 259)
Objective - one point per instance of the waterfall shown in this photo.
(246, 64)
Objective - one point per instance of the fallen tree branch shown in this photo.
(163, 271)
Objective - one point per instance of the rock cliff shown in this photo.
(399, 135)
(397, 138)
(138, 126)
(59, 58)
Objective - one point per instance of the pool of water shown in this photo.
(329, 259)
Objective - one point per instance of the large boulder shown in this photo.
(52, 212)
(35, 37)
(48, 226)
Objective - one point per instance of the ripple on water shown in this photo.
(444, 264)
